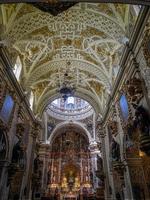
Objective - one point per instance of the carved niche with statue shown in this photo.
(142, 122)
(37, 174)
(3, 145)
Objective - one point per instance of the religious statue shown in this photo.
(142, 120)
(48, 176)
(77, 182)
(64, 183)
(36, 163)
(17, 152)
(3, 146)
(70, 180)
(115, 150)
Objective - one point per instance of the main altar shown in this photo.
(70, 170)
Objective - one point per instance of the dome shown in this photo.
(72, 108)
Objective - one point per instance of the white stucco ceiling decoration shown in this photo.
(86, 41)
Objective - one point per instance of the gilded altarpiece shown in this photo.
(69, 169)
(137, 138)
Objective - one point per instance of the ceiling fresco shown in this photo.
(86, 41)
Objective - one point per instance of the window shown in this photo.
(17, 68)
(124, 107)
(71, 100)
(7, 108)
(31, 100)
(137, 9)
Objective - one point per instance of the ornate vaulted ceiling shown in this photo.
(86, 41)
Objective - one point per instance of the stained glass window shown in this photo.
(124, 107)
(7, 108)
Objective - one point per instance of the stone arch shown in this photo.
(83, 94)
(76, 124)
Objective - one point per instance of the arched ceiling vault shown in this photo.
(86, 41)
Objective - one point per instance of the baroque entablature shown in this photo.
(87, 36)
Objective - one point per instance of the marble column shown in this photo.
(107, 165)
(94, 152)
(94, 132)
(120, 132)
(45, 125)
(4, 190)
(128, 194)
(27, 170)
(47, 161)
(30, 161)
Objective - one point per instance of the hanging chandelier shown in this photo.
(66, 90)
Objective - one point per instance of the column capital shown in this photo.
(36, 128)
(94, 147)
